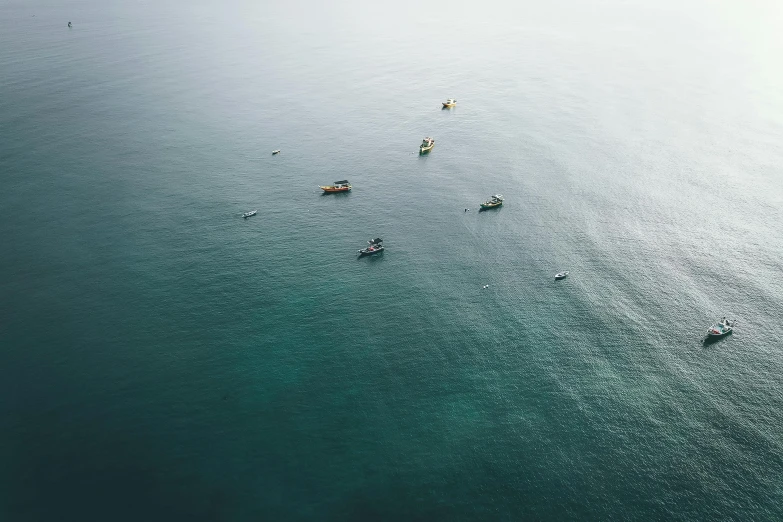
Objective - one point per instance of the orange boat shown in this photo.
(338, 186)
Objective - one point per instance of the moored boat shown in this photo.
(451, 102)
(720, 329)
(561, 275)
(276, 151)
(426, 145)
(250, 213)
(374, 246)
(338, 186)
(493, 202)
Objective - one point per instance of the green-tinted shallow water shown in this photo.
(163, 359)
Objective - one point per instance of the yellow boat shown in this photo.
(451, 102)
(339, 186)
(426, 145)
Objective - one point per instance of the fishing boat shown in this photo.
(426, 145)
(561, 275)
(248, 214)
(374, 246)
(276, 151)
(337, 186)
(451, 102)
(493, 202)
(720, 329)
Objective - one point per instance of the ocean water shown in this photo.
(163, 359)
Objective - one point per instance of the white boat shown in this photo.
(721, 328)
(451, 102)
(426, 145)
(375, 246)
(561, 275)
(248, 214)
(276, 151)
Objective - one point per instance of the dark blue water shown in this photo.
(163, 359)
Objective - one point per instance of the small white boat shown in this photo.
(248, 214)
(561, 275)
(276, 151)
(375, 246)
(451, 102)
(426, 145)
(721, 328)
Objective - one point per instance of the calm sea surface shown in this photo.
(163, 359)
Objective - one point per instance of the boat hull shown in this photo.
(330, 190)
(448, 105)
(424, 150)
(484, 206)
(363, 253)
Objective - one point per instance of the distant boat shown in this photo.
(720, 329)
(276, 151)
(338, 186)
(248, 214)
(451, 102)
(69, 23)
(493, 202)
(561, 275)
(426, 145)
(375, 247)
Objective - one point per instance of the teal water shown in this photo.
(163, 359)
